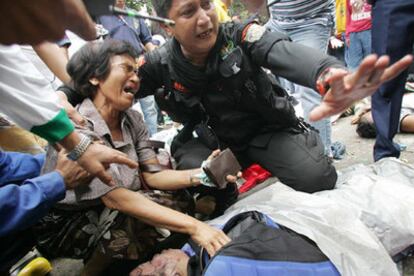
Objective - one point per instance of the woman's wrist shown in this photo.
(192, 177)
(192, 227)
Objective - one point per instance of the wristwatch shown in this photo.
(321, 84)
(80, 148)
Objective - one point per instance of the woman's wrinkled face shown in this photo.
(121, 84)
(196, 25)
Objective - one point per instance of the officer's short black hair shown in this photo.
(93, 61)
(162, 7)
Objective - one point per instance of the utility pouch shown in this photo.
(207, 136)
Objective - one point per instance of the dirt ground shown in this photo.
(357, 151)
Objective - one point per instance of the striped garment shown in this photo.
(292, 14)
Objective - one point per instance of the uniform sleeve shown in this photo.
(145, 34)
(28, 99)
(22, 205)
(293, 61)
(16, 167)
(150, 76)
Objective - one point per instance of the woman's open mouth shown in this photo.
(130, 88)
(205, 34)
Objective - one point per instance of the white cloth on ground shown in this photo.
(359, 225)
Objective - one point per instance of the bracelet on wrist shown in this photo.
(80, 148)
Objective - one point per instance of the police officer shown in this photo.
(209, 77)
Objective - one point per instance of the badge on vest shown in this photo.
(231, 64)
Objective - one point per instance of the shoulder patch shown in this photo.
(253, 33)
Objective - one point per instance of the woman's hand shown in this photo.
(346, 87)
(70, 110)
(211, 239)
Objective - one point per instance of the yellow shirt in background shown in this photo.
(222, 11)
(340, 16)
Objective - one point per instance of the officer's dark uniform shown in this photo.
(233, 103)
(245, 111)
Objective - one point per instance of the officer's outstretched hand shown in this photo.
(347, 87)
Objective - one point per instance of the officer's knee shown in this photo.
(317, 179)
(311, 179)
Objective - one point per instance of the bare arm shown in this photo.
(28, 22)
(55, 58)
(140, 207)
(178, 179)
(172, 179)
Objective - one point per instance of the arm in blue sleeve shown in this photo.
(22, 206)
(16, 167)
(145, 34)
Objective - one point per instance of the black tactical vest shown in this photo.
(239, 103)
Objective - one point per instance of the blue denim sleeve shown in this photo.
(23, 203)
(145, 34)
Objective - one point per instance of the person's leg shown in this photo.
(366, 42)
(392, 34)
(355, 51)
(297, 159)
(317, 37)
(150, 113)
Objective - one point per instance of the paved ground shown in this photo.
(357, 151)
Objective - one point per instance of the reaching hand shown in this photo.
(70, 110)
(346, 87)
(97, 159)
(335, 43)
(27, 22)
(73, 174)
(209, 238)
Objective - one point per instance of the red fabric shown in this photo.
(358, 16)
(253, 176)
